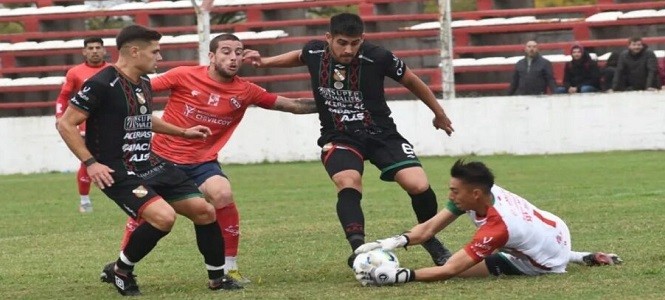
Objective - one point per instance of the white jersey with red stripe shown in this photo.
(536, 238)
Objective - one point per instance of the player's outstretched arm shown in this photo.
(417, 235)
(286, 60)
(460, 264)
(296, 106)
(422, 91)
(196, 132)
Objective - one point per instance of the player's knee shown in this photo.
(220, 198)
(204, 213)
(416, 188)
(347, 179)
(162, 219)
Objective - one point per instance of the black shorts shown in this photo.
(390, 152)
(497, 264)
(131, 192)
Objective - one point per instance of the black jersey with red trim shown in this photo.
(119, 124)
(350, 97)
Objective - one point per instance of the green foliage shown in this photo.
(292, 246)
(557, 3)
(432, 6)
(108, 22)
(11, 27)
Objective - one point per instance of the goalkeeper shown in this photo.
(513, 236)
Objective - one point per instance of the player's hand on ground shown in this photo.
(100, 175)
(197, 132)
(252, 57)
(442, 122)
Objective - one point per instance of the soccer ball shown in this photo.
(374, 258)
(365, 262)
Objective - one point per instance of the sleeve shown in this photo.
(88, 98)
(453, 209)
(652, 70)
(394, 67)
(65, 93)
(489, 237)
(260, 97)
(549, 76)
(165, 81)
(313, 45)
(618, 72)
(594, 74)
(515, 80)
(567, 70)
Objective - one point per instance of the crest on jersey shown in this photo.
(213, 100)
(189, 110)
(140, 98)
(140, 191)
(235, 102)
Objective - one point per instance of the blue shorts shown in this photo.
(202, 171)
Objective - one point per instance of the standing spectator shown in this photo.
(607, 73)
(637, 69)
(93, 53)
(581, 74)
(533, 74)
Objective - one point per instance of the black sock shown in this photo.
(211, 245)
(351, 216)
(424, 205)
(140, 243)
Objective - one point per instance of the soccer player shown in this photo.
(514, 237)
(93, 53)
(347, 77)
(216, 97)
(117, 104)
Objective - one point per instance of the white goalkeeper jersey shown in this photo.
(515, 226)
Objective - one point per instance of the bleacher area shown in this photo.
(487, 42)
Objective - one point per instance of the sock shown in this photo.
(129, 228)
(85, 199)
(83, 182)
(211, 244)
(231, 262)
(141, 242)
(229, 223)
(576, 257)
(351, 216)
(424, 205)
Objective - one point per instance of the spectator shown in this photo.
(637, 68)
(607, 73)
(581, 74)
(533, 74)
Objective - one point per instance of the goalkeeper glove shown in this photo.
(388, 244)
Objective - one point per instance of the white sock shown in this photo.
(576, 257)
(230, 263)
(85, 199)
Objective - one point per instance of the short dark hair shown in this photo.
(214, 43)
(635, 39)
(136, 33)
(92, 40)
(346, 24)
(474, 173)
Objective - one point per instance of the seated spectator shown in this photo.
(607, 73)
(581, 74)
(637, 68)
(533, 74)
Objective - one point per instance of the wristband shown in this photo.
(88, 162)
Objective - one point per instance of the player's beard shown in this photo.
(224, 73)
